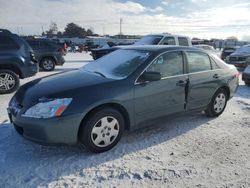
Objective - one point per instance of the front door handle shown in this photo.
(216, 76)
(181, 83)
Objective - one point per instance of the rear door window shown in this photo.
(7, 43)
(198, 61)
(183, 41)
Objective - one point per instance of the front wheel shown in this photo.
(217, 104)
(9, 81)
(102, 130)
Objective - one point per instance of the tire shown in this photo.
(47, 64)
(9, 81)
(217, 104)
(96, 136)
(247, 83)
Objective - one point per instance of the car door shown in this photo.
(203, 81)
(165, 96)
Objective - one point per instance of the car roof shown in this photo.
(155, 48)
(166, 34)
(202, 45)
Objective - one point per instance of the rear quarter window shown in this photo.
(8, 43)
(183, 41)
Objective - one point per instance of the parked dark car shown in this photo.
(227, 51)
(16, 61)
(128, 88)
(48, 53)
(246, 75)
(240, 58)
(159, 39)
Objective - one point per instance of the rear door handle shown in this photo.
(181, 83)
(216, 76)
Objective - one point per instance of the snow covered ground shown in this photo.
(188, 151)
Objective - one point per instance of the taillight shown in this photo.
(32, 57)
(237, 75)
(61, 50)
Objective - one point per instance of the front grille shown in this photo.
(233, 58)
(237, 58)
(241, 58)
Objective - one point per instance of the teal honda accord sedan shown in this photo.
(128, 88)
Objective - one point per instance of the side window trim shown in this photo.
(211, 59)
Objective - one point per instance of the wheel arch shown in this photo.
(226, 88)
(13, 68)
(113, 105)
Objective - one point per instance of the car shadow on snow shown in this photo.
(49, 163)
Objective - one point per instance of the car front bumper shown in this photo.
(51, 131)
(29, 70)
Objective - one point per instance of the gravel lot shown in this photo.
(189, 151)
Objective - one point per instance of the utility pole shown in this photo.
(120, 27)
(42, 29)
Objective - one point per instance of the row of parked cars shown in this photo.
(237, 56)
(23, 57)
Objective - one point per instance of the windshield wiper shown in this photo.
(100, 74)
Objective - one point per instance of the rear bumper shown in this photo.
(29, 70)
(60, 60)
(52, 131)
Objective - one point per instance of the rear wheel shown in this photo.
(48, 64)
(217, 104)
(102, 130)
(9, 81)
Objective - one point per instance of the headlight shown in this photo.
(48, 109)
(227, 59)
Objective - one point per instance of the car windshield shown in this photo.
(149, 40)
(118, 64)
(244, 49)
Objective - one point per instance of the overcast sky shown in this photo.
(201, 18)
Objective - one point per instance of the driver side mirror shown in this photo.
(151, 76)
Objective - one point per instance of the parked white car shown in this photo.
(209, 49)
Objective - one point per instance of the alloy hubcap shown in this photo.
(7, 81)
(48, 64)
(105, 131)
(219, 103)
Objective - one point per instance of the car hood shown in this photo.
(64, 84)
(239, 54)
